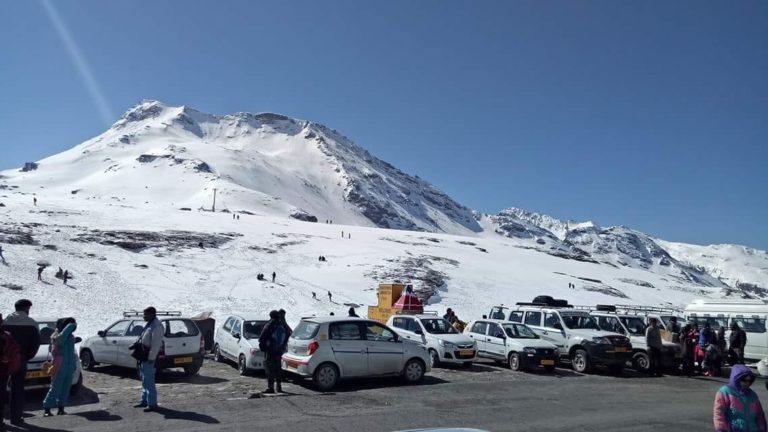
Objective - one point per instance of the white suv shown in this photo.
(513, 343)
(238, 340)
(444, 343)
(329, 348)
(183, 345)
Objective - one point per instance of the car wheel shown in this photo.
(434, 359)
(514, 361)
(191, 370)
(325, 377)
(414, 371)
(86, 360)
(241, 365)
(217, 357)
(580, 361)
(641, 362)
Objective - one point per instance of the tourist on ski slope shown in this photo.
(64, 365)
(737, 407)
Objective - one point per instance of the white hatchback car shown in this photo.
(183, 345)
(331, 348)
(513, 343)
(238, 340)
(35, 377)
(444, 343)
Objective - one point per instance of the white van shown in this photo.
(749, 314)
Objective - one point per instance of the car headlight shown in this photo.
(255, 351)
(445, 344)
(601, 340)
(529, 350)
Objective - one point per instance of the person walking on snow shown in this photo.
(64, 365)
(1, 254)
(26, 333)
(34, 200)
(152, 340)
(65, 276)
(40, 272)
(314, 295)
(342, 233)
(272, 342)
(274, 275)
(330, 296)
(737, 407)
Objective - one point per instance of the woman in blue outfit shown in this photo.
(64, 361)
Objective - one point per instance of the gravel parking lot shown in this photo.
(487, 396)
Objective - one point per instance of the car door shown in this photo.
(124, 358)
(477, 332)
(224, 336)
(385, 351)
(233, 341)
(552, 331)
(405, 328)
(104, 349)
(495, 341)
(350, 350)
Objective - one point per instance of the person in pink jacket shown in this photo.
(737, 407)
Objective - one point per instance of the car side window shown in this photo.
(516, 316)
(118, 329)
(379, 333)
(135, 328)
(413, 326)
(479, 328)
(237, 328)
(399, 323)
(610, 324)
(228, 325)
(550, 319)
(533, 318)
(494, 330)
(345, 331)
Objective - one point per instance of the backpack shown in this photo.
(10, 358)
(278, 337)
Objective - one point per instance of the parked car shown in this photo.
(36, 378)
(575, 333)
(327, 349)
(749, 314)
(444, 343)
(237, 340)
(183, 345)
(513, 343)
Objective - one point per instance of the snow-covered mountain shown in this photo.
(266, 164)
(128, 211)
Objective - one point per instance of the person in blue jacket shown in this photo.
(64, 361)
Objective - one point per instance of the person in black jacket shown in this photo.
(26, 333)
(738, 341)
(273, 342)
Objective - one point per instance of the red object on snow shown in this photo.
(409, 303)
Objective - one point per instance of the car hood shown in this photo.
(533, 343)
(459, 338)
(250, 343)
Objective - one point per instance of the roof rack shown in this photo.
(646, 309)
(544, 305)
(135, 313)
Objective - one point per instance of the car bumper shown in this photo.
(458, 356)
(255, 362)
(609, 355)
(297, 365)
(178, 361)
(532, 361)
(35, 379)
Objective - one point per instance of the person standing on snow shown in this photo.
(65, 363)
(352, 313)
(653, 341)
(40, 272)
(737, 407)
(272, 342)
(330, 296)
(65, 276)
(152, 340)
(274, 275)
(26, 333)
(1, 254)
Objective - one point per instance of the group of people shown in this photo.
(709, 349)
(260, 276)
(63, 275)
(450, 316)
(19, 343)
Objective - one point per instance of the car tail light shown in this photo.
(312, 347)
(202, 345)
(161, 354)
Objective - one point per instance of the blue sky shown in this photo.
(649, 114)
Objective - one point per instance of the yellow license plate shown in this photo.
(466, 352)
(35, 374)
(547, 362)
(621, 349)
(182, 360)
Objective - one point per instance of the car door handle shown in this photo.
(114, 341)
(488, 340)
(545, 333)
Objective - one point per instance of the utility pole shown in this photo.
(213, 209)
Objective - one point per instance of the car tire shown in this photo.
(242, 368)
(514, 362)
(641, 362)
(325, 377)
(581, 362)
(217, 357)
(434, 359)
(87, 360)
(191, 370)
(413, 371)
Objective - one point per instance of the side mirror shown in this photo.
(78, 339)
(101, 333)
(236, 335)
(419, 332)
(558, 326)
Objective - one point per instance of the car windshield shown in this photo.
(635, 325)
(46, 330)
(253, 329)
(438, 326)
(580, 322)
(305, 330)
(519, 331)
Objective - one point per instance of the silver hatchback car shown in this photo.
(331, 348)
